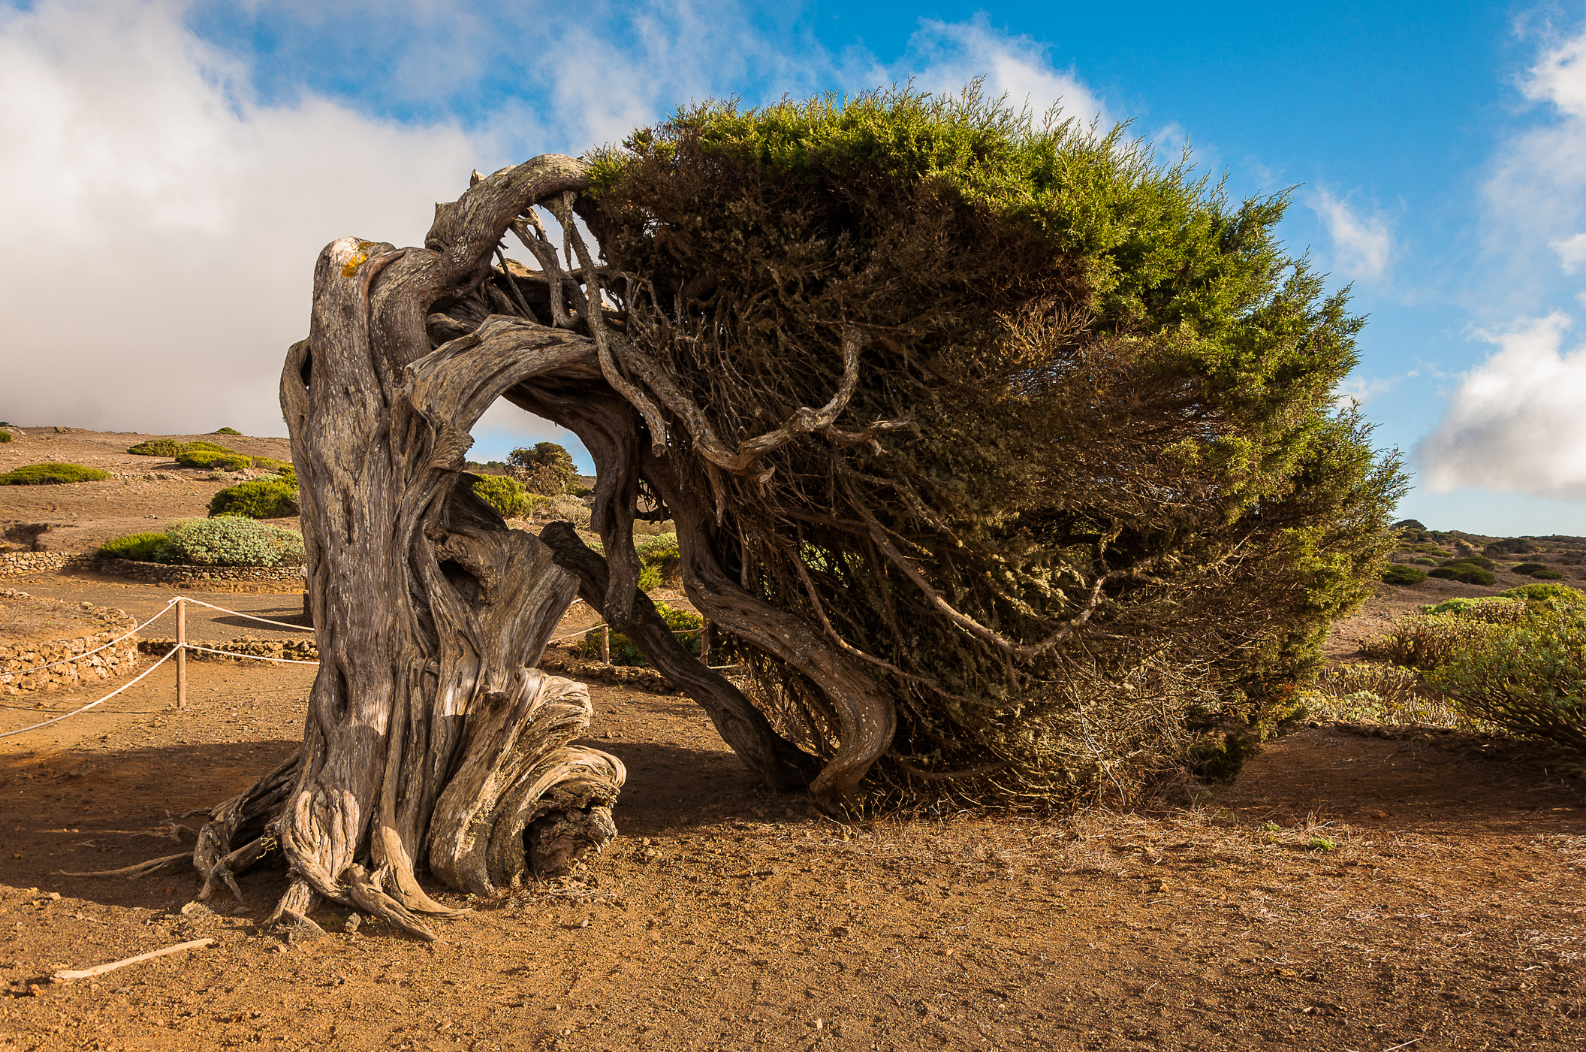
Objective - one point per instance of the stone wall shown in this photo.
(289, 649)
(119, 659)
(162, 573)
(14, 564)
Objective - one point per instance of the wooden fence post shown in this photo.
(605, 644)
(704, 641)
(181, 652)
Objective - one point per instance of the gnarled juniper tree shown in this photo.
(1001, 456)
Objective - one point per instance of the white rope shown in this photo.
(254, 657)
(239, 613)
(91, 704)
(88, 653)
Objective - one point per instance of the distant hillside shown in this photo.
(1472, 558)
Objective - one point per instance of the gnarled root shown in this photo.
(522, 798)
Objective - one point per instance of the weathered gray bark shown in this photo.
(431, 739)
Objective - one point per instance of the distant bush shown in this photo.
(1493, 609)
(1466, 573)
(546, 468)
(5, 436)
(226, 431)
(684, 625)
(195, 447)
(51, 474)
(231, 540)
(504, 494)
(156, 447)
(206, 458)
(1472, 560)
(1527, 568)
(563, 508)
(1549, 575)
(660, 557)
(266, 498)
(141, 547)
(1528, 678)
(1399, 573)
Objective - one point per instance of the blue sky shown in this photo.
(170, 170)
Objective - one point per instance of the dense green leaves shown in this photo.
(1100, 368)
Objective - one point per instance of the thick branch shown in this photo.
(777, 761)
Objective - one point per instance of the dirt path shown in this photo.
(1348, 892)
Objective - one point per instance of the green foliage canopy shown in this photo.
(1090, 389)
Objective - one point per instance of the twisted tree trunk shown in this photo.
(431, 739)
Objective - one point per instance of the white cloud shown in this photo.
(164, 225)
(943, 57)
(1516, 423)
(1571, 252)
(1538, 184)
(1361, 244)
(1357, 390)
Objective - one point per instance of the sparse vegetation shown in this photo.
(51, 474)
(5, 436)
(226, 431)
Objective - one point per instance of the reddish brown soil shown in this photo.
(1347, 892)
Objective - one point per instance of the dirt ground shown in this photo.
(1347, 892)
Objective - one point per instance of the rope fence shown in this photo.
(182, 646)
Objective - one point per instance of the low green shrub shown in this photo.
(156, 447)
(1472, 560)
(504, 494)
(1497, 610)
(1399, 573)
(1528, 678)
(141, 547)
(231, 540)
(1466, 573)
(1528, 568)
(226, 431)
(266, 498)
(280, 467)
(1549, 575)
(5, 436)
(215, 461)
(51, 474)
(1560, 593)
(684, 625)
(1425, 562)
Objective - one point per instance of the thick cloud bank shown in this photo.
(1518, 421)
(163, 226)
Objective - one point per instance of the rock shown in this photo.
(352, 924)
